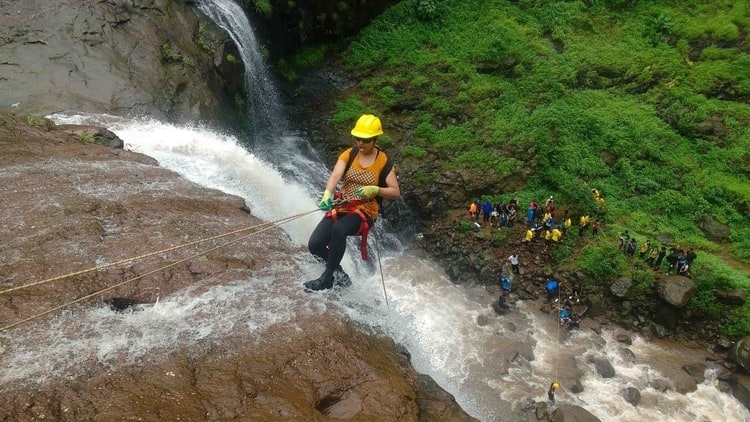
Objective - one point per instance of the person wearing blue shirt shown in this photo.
(552, 288)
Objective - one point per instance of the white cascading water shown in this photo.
(492, 364)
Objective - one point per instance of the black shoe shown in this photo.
(325, 281)
(340, 278)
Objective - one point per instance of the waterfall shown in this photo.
(272, 137)
(492, 364)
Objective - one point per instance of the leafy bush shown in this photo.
(170, 55)
(413, 151)
(263, 7)
(203, 40)
(602, 263)
(349, 110)
(428, 10)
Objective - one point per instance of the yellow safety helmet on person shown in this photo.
(367, 126)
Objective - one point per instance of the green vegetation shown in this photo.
(203, 39)
(36, 121)
(645, 101)
(305, 58)
(169, 54)
(263, 7)
(87, 137)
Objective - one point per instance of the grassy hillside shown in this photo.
(646, 101)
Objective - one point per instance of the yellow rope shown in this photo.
(272, 225)
(136, 258)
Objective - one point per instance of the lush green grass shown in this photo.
(646, 101)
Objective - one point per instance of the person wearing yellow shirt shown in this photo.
(556, 235)
(547, 239)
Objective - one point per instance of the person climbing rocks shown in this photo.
(513, 258)
(552, 288)
(367, 175)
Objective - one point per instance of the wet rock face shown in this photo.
(115, 57)
(69, 203)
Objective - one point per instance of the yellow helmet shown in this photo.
(367, 126)
(555, 385)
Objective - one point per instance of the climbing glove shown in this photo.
(367, 192)
(326, 203)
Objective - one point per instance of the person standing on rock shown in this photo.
(514, 263)
(367, 175)
(660, 257)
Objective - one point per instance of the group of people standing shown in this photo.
(679, 260)
(498, 215)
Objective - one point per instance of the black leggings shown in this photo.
(328, 240)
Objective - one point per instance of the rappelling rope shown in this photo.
(49, 311)
(382, 279)
(139, 257)
(557, 321)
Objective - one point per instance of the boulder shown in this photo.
(734, 297)
(566, 412)
(621, 286)
(632, 395)
(603, 367)
(740, 353)
(714, 230)
(676, 290)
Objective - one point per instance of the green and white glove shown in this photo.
(326, 203)
(367, 192)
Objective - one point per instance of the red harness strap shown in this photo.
(364, 227)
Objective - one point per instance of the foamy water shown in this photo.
(490, 363)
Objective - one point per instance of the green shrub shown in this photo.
(500, 237)
(348, 111)
(602, 263)
(263, 7)
(428, 10)
(170, 55)
(388, 96)
(86, 137)
(203, 40)
(413, 151)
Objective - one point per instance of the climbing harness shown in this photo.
(260, 228)
(364, 227)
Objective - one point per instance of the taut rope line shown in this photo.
(139, 257)
(49, 311)
(557, 321)
(382, 279)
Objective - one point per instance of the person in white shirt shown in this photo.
(514, 263)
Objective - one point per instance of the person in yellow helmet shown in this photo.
(551, 392)
(366, 174)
